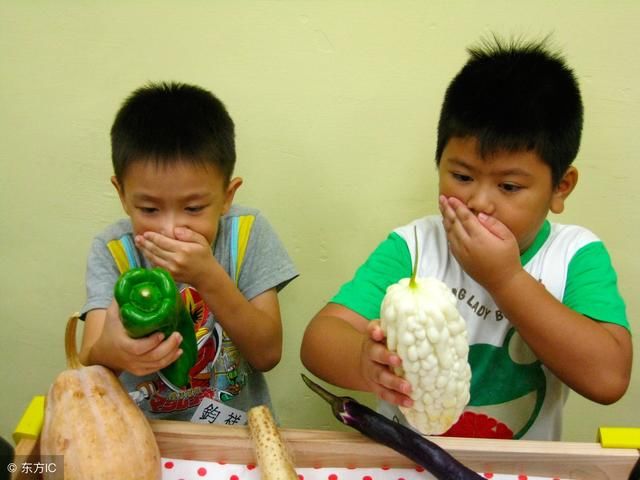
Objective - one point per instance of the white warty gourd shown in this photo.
(423, 326)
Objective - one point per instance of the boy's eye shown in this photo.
(510, 187)
(461, 177)
(148, 210)
(195, 209)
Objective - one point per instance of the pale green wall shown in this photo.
(336, 104)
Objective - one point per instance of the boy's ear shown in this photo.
(563, 190)
(232, 188)
(118, 187)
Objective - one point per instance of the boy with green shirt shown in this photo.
(540, 299)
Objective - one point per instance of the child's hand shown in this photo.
(140, 356)
(484, 247)
(376, 363)
(187, 256)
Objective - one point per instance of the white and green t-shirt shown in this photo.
(513, 395)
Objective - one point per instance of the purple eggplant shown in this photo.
(409, 443)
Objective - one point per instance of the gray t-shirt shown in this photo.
(251, 253)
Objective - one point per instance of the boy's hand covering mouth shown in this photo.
(186, 256)
(486, 249)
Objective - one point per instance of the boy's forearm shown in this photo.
(256, 332)
(99, 356)
(93, 325)
(592, 358)
(331, 350)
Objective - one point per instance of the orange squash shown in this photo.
(93, 424)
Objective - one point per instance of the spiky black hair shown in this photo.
(515, 96)
(170, 122)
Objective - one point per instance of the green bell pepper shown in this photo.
(149, 302)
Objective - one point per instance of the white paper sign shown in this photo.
(209, 411)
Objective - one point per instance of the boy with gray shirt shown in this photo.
(173, 153)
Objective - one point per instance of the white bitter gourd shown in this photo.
(423, 326)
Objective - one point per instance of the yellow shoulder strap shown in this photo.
(124, 253)
(240, 233)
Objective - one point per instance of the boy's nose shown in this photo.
(168, 226)
(481, 201)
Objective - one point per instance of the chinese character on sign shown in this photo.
(210, 413)
(232, 419)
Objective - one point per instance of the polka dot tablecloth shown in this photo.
(174, 469)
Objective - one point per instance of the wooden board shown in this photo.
(321, 448)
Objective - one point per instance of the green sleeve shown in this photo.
(592, 286)
(389, 262)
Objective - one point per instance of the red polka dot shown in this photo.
(300, 476)
(522, 477)
(488, 475)
(168, 465)
(333, 476)
(202, 471)
(251, 466)
(419, 468)
(367, 477)
(234, 477)
(385, 467)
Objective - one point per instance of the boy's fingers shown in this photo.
(148, 367)
(156, 347)
(455, 218)
(169, 346)
(379, 354)
(375, 331)
(495, 226)
(391, 381)
(185, 234)
(465, 222)
(166, 360)
(448, 215)
(394, 398)
(142, 346)
(393, 389)
(156, 242)
(377, 335)
(151, 249)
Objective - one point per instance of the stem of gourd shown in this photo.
(412, 281)
(70, 343)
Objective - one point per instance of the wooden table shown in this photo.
(321, 448)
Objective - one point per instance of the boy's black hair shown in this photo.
(169, 122)
(517, 96)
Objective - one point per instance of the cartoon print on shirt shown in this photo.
(229, 374)
(207, 338)
(215, 373)
(508, 375)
